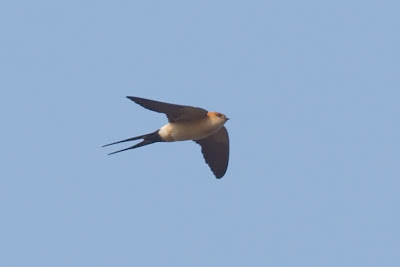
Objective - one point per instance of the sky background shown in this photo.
(313, 92)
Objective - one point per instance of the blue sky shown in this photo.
(312, 89)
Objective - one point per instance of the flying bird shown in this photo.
(188, 123)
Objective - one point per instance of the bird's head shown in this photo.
(217, 117)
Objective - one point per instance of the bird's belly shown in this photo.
(187, 131)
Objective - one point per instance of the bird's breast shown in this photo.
(181, 131)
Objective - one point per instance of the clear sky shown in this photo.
(313, 92)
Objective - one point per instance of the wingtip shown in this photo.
(219, 176)
(133, 98)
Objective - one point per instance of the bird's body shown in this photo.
(189, 123)
(190, 130)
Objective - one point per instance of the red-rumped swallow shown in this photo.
(188, 123)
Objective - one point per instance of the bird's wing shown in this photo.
(174, 112)
(215, 149)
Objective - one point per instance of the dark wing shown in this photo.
(215, 149)
(173, 112)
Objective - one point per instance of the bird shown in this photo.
(206, 128)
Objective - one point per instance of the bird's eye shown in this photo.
(219, 115)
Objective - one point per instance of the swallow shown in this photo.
(188, 123)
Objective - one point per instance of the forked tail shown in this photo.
(147, 140)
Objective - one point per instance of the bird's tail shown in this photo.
(147, 140)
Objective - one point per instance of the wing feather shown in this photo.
(174, 112)
(215, 149)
